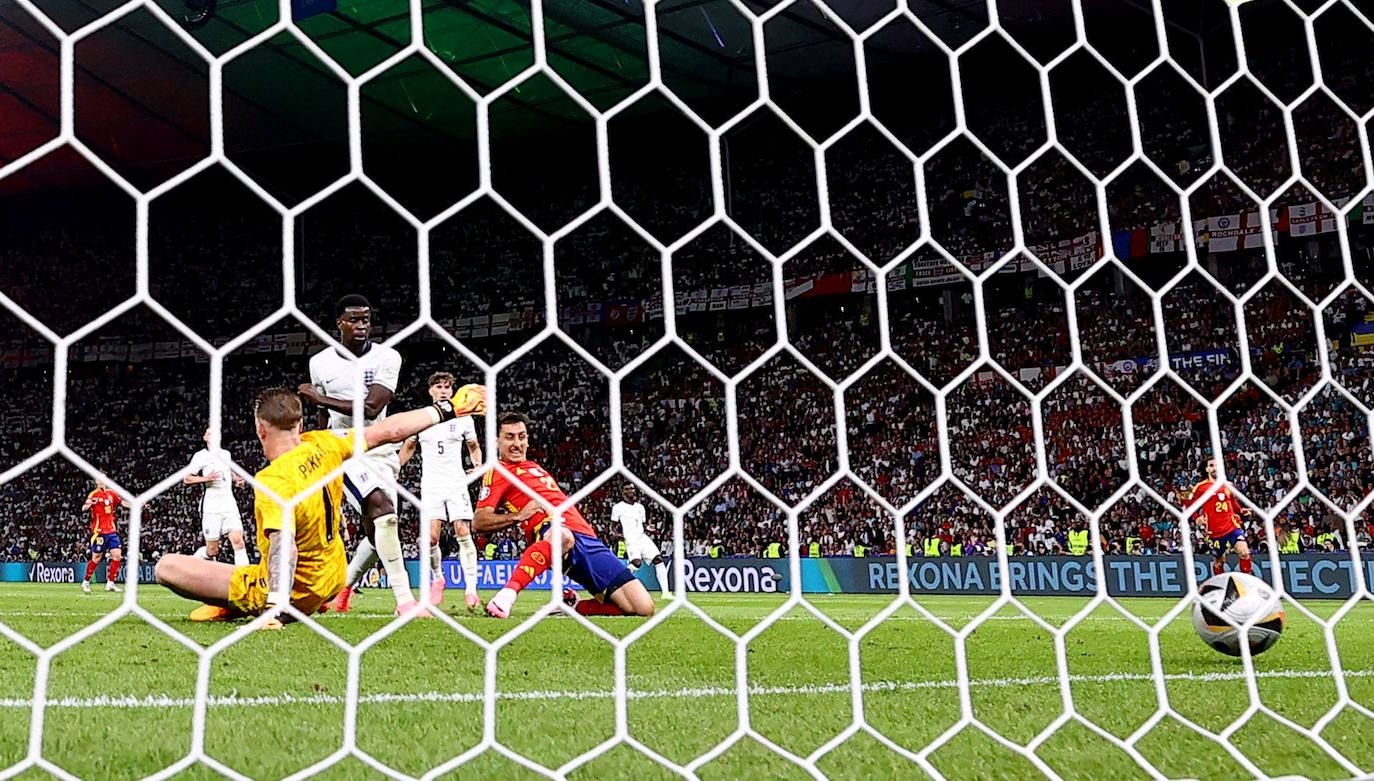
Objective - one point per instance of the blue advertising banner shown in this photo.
(63, 572)
(490, 575)
(1305, 576)
(1321, 576)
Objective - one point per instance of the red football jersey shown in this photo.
(102, 504)
(1219, 509)
(499, 492)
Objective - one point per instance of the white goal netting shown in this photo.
(1043, 306)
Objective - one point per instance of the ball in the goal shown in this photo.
(1227, 601)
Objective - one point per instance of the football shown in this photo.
(1226, 602)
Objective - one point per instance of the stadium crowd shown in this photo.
(141, 421)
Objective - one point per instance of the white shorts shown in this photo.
(217, 524)
(451, 507)
(370, 472)
(641, 548)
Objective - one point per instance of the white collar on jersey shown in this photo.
(346, 355)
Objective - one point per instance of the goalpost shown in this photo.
(921, 263)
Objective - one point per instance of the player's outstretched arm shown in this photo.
(468, 400)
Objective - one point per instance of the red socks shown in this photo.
(1218, 569)
(1247, 565)
(90, 570)
(533, 563)
(590, 607)
(113, 574)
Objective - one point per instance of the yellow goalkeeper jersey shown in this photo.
(321, 562)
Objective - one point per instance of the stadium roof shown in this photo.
(140, 90)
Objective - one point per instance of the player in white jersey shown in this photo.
(444, 491)
(629, 513)
(369, 479)
(219, 513)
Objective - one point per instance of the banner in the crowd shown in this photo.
(16, 355)
(1177, 361)
(1362, 333)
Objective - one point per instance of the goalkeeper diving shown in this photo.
(312, 559)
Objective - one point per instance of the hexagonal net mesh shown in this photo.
(1069, 267)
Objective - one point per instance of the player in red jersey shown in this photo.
(586, 559)
(1223, 525)
(104, 537)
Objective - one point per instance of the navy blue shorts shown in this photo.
(1222, 545)
(593, 565)
(103, 542)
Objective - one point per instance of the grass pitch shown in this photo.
(121, 700)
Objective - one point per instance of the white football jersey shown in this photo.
(332, 372)
(219, 494)
(631, 519)
(442, 448)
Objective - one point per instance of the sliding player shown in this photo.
(312, 559)
(372, 495)
(443, 491)
(1223, 527)
(104, 536)
(219, 513)
(586, 559)
(629, 513)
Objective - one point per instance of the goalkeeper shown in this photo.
(312, 559)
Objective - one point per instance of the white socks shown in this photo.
(363, 559)
(240, 555)
(661, 569)
(388, 542)
(467, 557)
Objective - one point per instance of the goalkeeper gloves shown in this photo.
(467, 400)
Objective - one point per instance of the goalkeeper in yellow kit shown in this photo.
(312, 559)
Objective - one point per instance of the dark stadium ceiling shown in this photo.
(140, 90)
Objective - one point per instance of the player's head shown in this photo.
(441, 385)
(353, 315)
(627, 493)
(1212, 468)
(277, 410)
(513, 437)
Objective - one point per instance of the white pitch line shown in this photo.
(163, 701)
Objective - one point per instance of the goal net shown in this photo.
(913, 326)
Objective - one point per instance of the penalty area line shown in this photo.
(227, 701)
